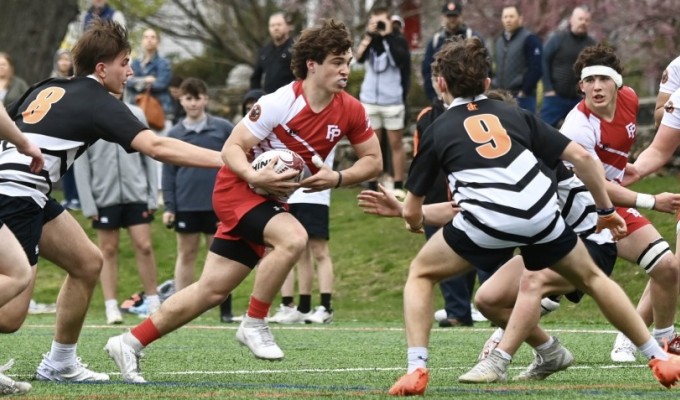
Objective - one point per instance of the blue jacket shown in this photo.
(161, 69)
(188, 188)
(433, 47)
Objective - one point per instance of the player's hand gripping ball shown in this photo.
(288, 160)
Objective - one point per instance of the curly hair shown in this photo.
(317, 43)
(464, 64)
(103, 41)
(600, 54)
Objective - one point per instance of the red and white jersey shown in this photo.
(284, 120)
(609, 141)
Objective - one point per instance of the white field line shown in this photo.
(301, 327)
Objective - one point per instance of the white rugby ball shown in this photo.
(288, 160)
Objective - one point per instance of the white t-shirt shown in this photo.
(672, 118)
(323, 197)
(670, 79)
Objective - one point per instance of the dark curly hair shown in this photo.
(600, 54)
(464, 64)
(317, 43)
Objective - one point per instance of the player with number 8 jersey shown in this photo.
(64, 116)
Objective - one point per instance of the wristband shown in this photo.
(605, 212)
(339, 179)
(646, 201)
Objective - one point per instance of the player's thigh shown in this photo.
(65, 243)
(284, 229)
(501, 288)
(13, 259)
(436, 260)
(221, 274)
(631, 247)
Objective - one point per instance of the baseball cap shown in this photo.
(452, 8)
(397, 18)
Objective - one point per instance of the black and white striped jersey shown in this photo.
(63, 117)
(490, 153)
(578, 206)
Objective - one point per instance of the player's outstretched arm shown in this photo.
(385, 204)
(591, 172)
(174, 151)
(659, 152)
(10, 132)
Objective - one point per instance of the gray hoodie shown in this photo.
(107, 175)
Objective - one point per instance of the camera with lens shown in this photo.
(380, 26)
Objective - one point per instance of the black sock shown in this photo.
(225, 307)
(326, 301)
(398, 184)
(373, 185)
(287, 301)
(305, 304)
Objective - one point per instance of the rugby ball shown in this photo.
(288, 160)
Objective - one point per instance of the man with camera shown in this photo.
(387, 60)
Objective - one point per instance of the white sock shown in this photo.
(130, 340)
(417, 358)
(62, 354)
(665, 333)
(111, 304)
(504, 355)
(545, 345)
(651, 349)
(153, 299)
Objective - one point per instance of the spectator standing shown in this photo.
(177, 110)
(451, 26)
(273, 60)
(518, 59)
(385, 54)
(188, 191)
(153, 72)
(123, 195)
(97, 9)
(560, 84)
(11, 86)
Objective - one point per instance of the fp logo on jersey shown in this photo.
(333, 132)
(631, 130)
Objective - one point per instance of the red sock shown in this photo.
(146, 332)
(257, 308)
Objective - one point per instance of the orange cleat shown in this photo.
(413, 384)
(667, 372)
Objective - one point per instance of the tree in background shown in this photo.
(31, 33)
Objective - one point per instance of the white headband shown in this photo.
(602, 70)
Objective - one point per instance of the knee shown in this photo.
(89, 263)
(530, 283)
(10, 323)
(144, 249)
(666, 271)
(295, 243)
(484, 301)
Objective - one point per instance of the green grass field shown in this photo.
(360, 355)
